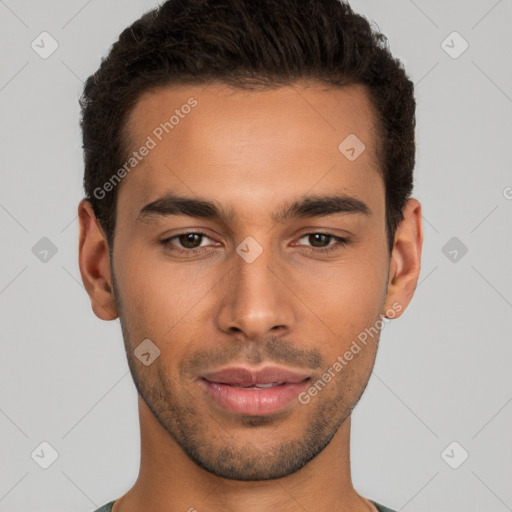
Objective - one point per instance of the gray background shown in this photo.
(443, 370)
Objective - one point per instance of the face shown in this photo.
(284, 263)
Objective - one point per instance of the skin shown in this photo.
(293, 306)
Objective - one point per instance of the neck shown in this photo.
(169, 481)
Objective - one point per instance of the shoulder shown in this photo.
(381, 508)
(106, 508)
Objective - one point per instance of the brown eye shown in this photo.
(319, 239)
(190, 240)
(322, 242)
(188, 243)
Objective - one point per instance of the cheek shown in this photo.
(159, 297)
(347, 296)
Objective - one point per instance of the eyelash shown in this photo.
(341, 242)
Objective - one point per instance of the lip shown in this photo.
(224, 388)
(246, 376)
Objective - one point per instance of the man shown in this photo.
(248, 171)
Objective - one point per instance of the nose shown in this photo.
(255, 300)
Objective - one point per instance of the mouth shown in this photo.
(253, 392)
(255, 386)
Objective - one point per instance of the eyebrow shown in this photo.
(305, 207)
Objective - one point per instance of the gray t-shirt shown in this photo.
(108, 507)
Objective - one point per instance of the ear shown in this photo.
(94, 263)
(405, 262)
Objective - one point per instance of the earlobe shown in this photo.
(405, 264)
(93, 259)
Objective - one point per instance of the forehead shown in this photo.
(215, 141)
